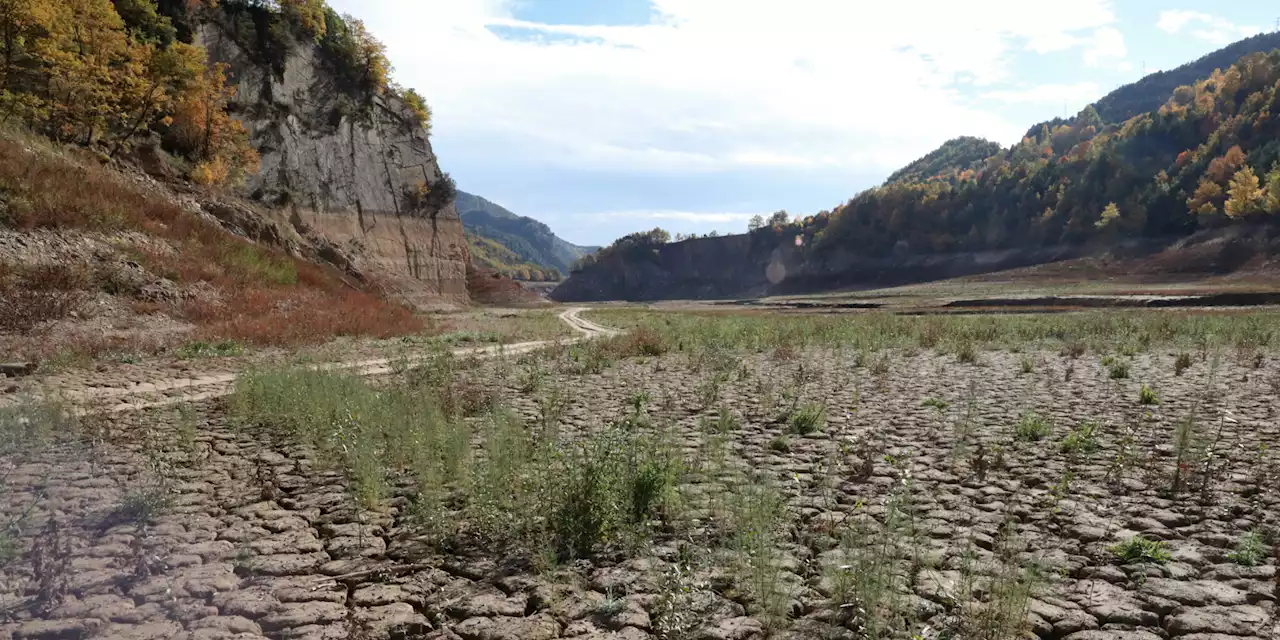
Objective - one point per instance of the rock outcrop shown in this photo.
(345, 173)
(759, 265)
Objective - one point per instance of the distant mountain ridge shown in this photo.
(531, 241)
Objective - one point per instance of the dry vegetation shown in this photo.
(227, 287)
(704, 476)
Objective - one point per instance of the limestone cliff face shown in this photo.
(345, 172)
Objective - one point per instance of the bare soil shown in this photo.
(255, 541)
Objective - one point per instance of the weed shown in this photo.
(867, 584)
(1147, 396)
(51, 562)
(808, 418)
(966, 353)
(1182, 363)
(1026, 364)
(1033, 427)
(1118, 370)
(1185, 442)
(934, 403)
(781, 444)
(1073, 349)
(675, 611)
(1250, 551)
(726, 421)
(201, 349)
(142, 505)
(1083, 439)
(1008, 598)
(1140, 550)
(709, 390)
(758, 513)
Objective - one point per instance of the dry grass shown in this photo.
(33, 295)
(263, 296)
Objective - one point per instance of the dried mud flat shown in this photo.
(257, 539)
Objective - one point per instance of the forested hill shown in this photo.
(955, 156)
(1153, 90)
(1206, 157)
(530, 240)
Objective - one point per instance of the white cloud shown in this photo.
(697, 217)
(714, 85)
(1202, 26)
(1106, 46)
(1080, 92)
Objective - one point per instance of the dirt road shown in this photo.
(161, 392)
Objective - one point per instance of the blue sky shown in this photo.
(605, 117)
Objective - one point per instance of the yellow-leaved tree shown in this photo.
(1244, 196)
(1110, 214)
(201, 127)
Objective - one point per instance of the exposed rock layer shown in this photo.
(345, 168)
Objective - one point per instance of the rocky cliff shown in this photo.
(352, 171)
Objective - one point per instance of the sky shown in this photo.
(604, 117)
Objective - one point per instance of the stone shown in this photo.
(538, 627)
(55, 630)
(740, 628)
(487, 605)
(398, 619)
(1194, 593)
(303, 614)
(1246, 620)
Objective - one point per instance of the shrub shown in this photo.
(1118, 370)
(809, 418)
(1140, 550)
(1250, 551)
(966, 353)
(32, 295)
(1182, 363)
(1147, 396)
(1033, 427)
(935, 403)
(202, 349)
(1082, 439)
(780, 444)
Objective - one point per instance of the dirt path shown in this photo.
(170, 391)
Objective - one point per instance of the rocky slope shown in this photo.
(347, 174)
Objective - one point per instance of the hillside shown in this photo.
(530, 240)
(1205, 158)
(489, 254)
(233, 171)
(1149, 93)
(947, 161)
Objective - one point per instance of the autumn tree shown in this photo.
(1244, 195)
(1271, 203)
(1110, 214)
(1221, 169)
(202, 128)
(1207, 198)
(308, 16)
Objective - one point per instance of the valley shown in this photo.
(267, 373)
